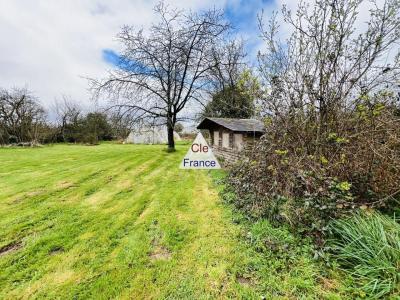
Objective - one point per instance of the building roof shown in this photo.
(240, 125)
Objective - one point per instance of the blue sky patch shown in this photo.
(241, 14)
(111, 57)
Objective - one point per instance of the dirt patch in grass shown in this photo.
(55, 250)
(27, 195)
(328, 284)
(17, 200)
(124, 184)
(244, 280)
(34, 193)
(143, 214)
(160, 253)
(96, 198)
(14, 246)
(66, 185)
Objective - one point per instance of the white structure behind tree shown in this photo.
(150, 135)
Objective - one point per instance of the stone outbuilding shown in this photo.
(150, 135)
(228, 137)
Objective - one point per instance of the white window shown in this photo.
(238, 141)
(225, 140)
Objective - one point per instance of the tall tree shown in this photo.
(329, 63)
(21, 116)
(68, 114)
(94, 128)
(235, 100)
(160, 72)
(229, 64)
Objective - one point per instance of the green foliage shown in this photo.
(281, 262)
(368, 247)
(333, 137)
(304, 200)
(229, 103)
(296, 176)
(236, 101)
(91, 129)
(248, 84)
(95, 127)
(281, 152)
(343, 186)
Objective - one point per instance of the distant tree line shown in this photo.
(24, 121)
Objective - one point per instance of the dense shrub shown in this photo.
(368, 246)
(331, 108)
(294, 176)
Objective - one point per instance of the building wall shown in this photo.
(228, 145)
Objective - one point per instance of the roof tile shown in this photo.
(247, 125)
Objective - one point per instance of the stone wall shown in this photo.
(225, 156)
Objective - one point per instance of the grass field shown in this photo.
(122, 221)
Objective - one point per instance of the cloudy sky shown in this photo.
(50, 46)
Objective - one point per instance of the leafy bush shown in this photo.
(368, 246)
(294, 176)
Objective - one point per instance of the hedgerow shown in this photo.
(294, 178)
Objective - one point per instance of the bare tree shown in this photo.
(161, 72)
(235, 99)
(228, 65)
(328, 64)
(231, 95)
(67, 114)
(121, 124)
(21, 116)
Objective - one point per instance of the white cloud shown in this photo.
(50, 45)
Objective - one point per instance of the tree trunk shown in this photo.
(171, 142)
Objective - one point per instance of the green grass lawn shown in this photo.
(122, 221)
